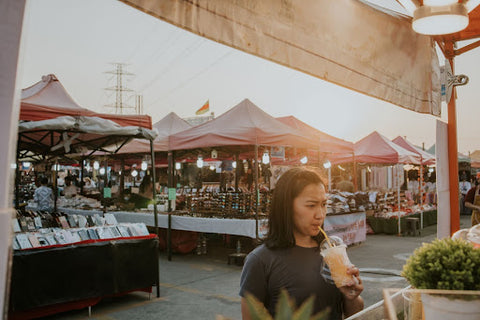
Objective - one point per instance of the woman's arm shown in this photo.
(245, 311)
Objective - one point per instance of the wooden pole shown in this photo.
(452, 152)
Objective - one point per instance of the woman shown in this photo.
(145, 195)
(289, 258)
(472, 200)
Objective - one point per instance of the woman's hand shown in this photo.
(353, 290)
(353, 301)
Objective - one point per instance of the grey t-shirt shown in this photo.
(296, 269)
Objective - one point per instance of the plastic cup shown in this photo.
(412, 305)
(338, 262)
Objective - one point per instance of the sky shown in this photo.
(174, 70)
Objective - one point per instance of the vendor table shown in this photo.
(390, 225)
(62, 277)
(240, 227)
(350, 227)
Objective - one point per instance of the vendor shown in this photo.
(70, 189)
(145, 195)
(472, 200)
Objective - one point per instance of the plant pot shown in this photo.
(441, 307)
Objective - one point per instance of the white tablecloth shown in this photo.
(350, 227)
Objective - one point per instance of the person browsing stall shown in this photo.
(145, 195)
(289, 257)
(70, 189)
(472, 200)
(43, 196)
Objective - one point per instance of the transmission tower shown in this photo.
(120, 105)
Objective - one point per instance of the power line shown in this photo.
(160, 51)
(193, 77)
(185, 53)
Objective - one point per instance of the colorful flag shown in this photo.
(204, 108)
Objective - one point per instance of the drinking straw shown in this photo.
(326, 237)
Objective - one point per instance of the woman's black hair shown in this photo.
(146, 182)
(280, 219)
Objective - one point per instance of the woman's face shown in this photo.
(309, 210)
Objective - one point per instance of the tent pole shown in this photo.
(452, 151)
(155, 213)
(82, 167)
(237, 170)
(55, 186)
(398, 197)
(17, 184)
(355, 187)
(170, 174)
(257, 195)
(122, 177)
(420, 185)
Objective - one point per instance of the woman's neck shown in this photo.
(305, 242)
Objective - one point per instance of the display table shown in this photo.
(390, 225)
(240, 227)
(350, 227)
(62, 277)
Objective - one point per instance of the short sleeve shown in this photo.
(470, 197)
(253, 278)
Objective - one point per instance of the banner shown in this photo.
(351, 228)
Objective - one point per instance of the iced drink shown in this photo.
(337, 260)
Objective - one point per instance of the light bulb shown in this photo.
(102, 171)
(327, 164)
(96, 165)
(265, 158)
(178, 165)
(144, 165)
(304, 160)
(134, 173)
(200, 162)
(234, 164)
(440, 20)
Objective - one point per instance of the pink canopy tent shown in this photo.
(425, 157)
(375, 148)
(327, 143)
(48, 99)
(244, 124)
(168, 125)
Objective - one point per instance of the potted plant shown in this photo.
(449, 266)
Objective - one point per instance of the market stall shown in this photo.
(386, 178)
(44, 142)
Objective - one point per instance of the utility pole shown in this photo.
(119, 89)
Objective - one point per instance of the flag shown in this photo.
(204, 108)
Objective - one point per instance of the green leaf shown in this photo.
(285, 307)
(257, 309)
(305, 310)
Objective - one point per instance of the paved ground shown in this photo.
(202, 287)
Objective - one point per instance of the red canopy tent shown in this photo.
(167, 126)
(48, 99)
(243, 125)
(425, 157)
(327, 143)
(376, 148)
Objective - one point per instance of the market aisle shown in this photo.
(201, 287)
